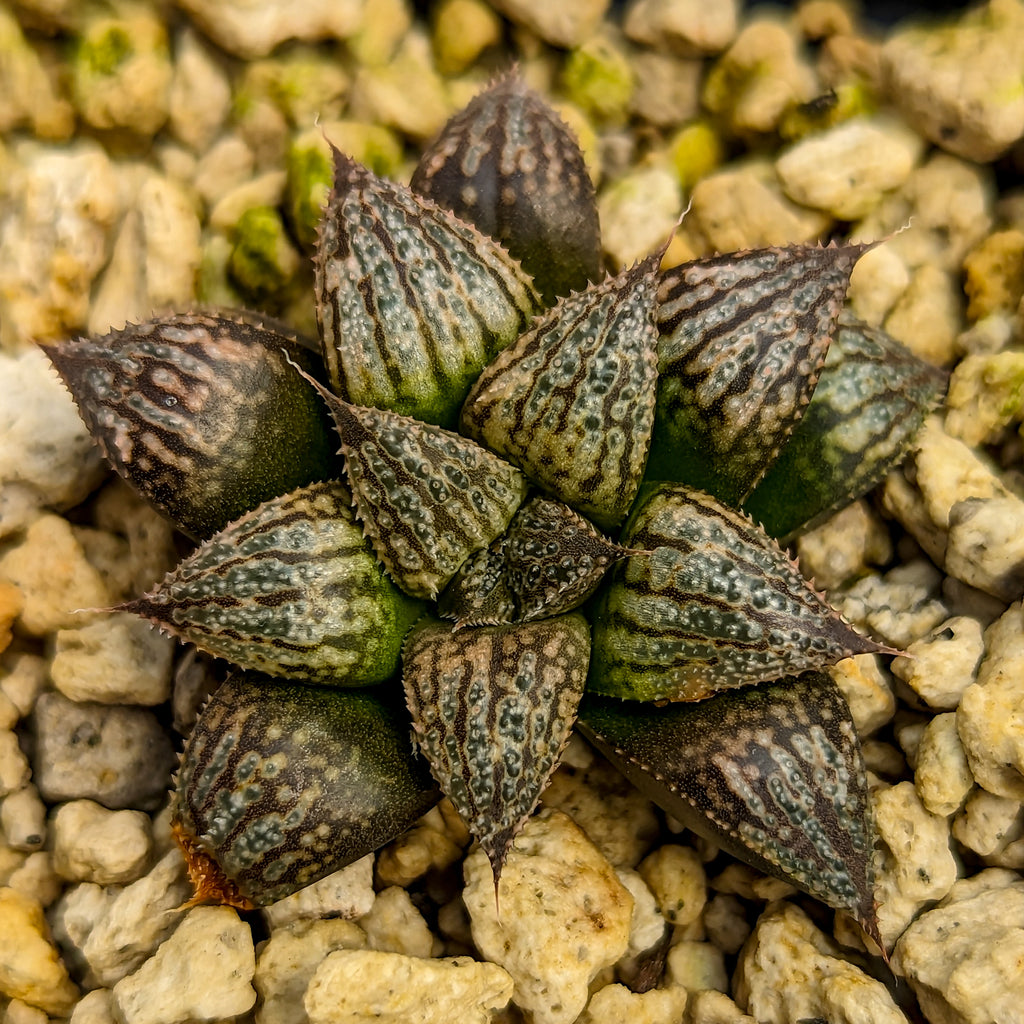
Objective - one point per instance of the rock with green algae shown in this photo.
(263, 260)
(310, 169)
(695, 151)
(995, 274)
(381, 28)
(121, 72)
(598, 78)
(462, 31)
(986, 393)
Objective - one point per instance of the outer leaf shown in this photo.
(412, 302)
(715, 604)
(200, 413)
(744, 337)
(283, 784)
(572, 402)
(508, 164)
(291, 589)
(869, 405)
(772, 774)
(427, 498)
(493, 707)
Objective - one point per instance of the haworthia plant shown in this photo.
(291, 589)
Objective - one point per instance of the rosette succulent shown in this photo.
(542, 515)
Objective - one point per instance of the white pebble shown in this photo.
(942, 776)
(696, 966)
(394, 925)
(346, 893)
(23, 819)
(93, 844)
(14, 769)
(943, 664)
(203, 972)
(987, 822)
(676, 877)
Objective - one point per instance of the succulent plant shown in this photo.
(498, 416)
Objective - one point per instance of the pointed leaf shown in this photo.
(291, 589)
(715, 604)
(412, 302)
(427, 498)
(555, 559)
(201, 413)
(744, 337)
(773, 774)
(509, 164)
(870, 403)
(282, 784)
(493, 707)
(572, 402)
(478, 594)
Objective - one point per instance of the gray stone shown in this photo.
(118, 756)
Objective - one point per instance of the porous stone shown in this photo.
(956, 82)
(394, 925)
(646, 926)
(616, 1003)
(28, 96)
(50, 569)
(564, 916)
(118, 756)
(740, 880)
(712, 1007)
(46, 450)
(942, 776)
(994, 274)
(666, 90)
(742, 207)
(24, 679)
(121, 71)
(462, 30)
(232, 26)
(697, 966)
(565, 24)
(137, 920)
(199, 99)
(10, 608)
(675, 875)
(928, 316)
(23, 818)
(92, 844)
(598, 78)
(879, 279)
(987, 824)
(17, 1012)
(985, 546)
(846, 169)
(203, 972)
(760, 77)
(986, 393)
(789, 971)
(345, 893)
(355, 986)
(942, 664)
(14, 767)
(988, 716)
(287, 961)
(94, 1007)
(688, 27)
(72, 917)
(897, 607)
(844, 546)
(155, 257)
(616, 818)
(916, 866)
(118, 659)
(638, 213)
(36, 878)
(60, 203)
(30, 967)
(725, 922)
(963, 958)
(427, 846)
(867, 691)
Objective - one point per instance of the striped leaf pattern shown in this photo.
(412, 302)
(509, 164)
(492, 709)
(479, 594)
(744, 337)
(773, 774)
(870, 403)
(427, 498)
(201, 413)
(291, 589)
(281, 784)
(572, 401)
(715, 604)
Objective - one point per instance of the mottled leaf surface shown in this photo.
(714, 604)
(291, 589)
(412, 302)
(493, 707)
(201, 413)
(509, 164)
(427, 498)
(871, 400)
(572, 401)
(281, 784)
(773, 774)
(744, 337)
(479, 594)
